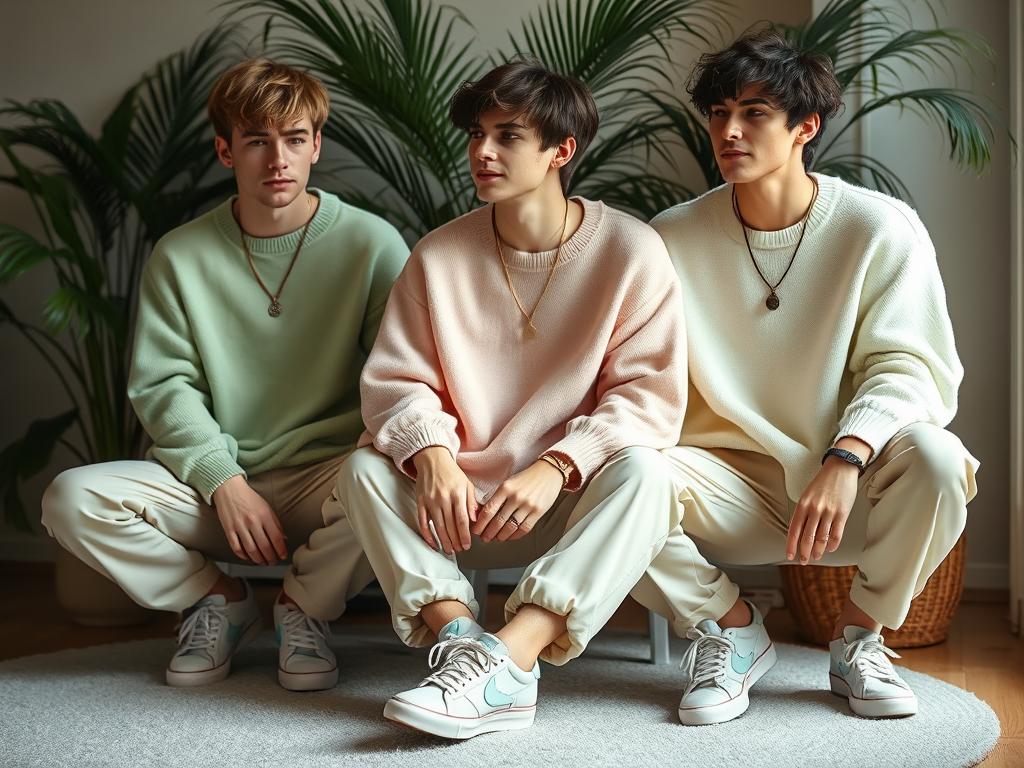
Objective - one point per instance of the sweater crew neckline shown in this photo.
(325, 216)
(828, 192)
(532, 261)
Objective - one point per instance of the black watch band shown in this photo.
(848, 456)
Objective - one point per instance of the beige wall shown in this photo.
(87, 53)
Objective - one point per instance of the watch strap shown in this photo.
(844, 455)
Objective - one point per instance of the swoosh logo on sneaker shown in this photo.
(494, 696)
(742, 664)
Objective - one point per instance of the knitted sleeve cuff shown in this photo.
(402, 445)
(874, 426)
(588, 449)
(211, 471)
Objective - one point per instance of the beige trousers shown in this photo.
(582, 558)
(911, 509)
(141, 527)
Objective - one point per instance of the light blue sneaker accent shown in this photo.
(463, 626)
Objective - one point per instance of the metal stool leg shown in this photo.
(657, 627)
(480, 586)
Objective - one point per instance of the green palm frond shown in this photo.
(168, 137)
(861, 169)
(873, 48)
(51, 128)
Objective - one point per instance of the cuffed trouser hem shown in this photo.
(190, 592)
(406, 619)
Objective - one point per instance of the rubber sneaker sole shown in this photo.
(307, 681)
(450, 727)
(896, 706)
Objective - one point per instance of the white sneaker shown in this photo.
(209, 634)
(860, 670)
(305, 661)
(721, 667)
(475, 688)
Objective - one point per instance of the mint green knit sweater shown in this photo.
(224, 389)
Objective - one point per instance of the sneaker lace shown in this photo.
(869, 654)
(303, 632)
(705, 659)
(457, 662)
(198, 631)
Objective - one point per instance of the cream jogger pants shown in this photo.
(141, 527)
(910, 511)
(582, 558)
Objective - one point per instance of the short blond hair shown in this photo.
(259, 93)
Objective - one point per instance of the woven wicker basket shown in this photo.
(815, 594)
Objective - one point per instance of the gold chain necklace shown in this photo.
(529, 329)
(274, 310)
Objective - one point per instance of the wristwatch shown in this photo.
(562, 465)
(848, 456)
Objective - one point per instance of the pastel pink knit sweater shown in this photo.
(606, 371)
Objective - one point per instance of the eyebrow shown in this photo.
(504, 126)
(747, 102)
(292, 132)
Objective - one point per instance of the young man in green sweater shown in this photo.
(253, 326)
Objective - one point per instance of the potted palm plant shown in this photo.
(101, 203)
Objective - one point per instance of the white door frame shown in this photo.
(1017, 319)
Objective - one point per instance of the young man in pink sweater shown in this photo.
(530, 362)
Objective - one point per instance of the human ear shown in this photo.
(808, 128)
(223, 149)
(564, 152)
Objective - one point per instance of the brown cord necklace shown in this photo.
(274, 310)
(772, 302)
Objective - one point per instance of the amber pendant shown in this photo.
(529, 331)
(274, 310)
(772, 302)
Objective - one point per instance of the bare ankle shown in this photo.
(232, 589)
(739, 615)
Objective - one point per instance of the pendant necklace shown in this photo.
(529, 329)
(772, 302)
(274, 310)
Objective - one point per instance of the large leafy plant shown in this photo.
(870, 46)
(393, 67)
(101, 203)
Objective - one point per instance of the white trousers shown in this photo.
(141, 527)
(911, 508)
(582, 558)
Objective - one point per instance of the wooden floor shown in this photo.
(980, 654)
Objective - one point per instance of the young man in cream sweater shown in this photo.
(254, 323)
(530, 361)
(822, 370)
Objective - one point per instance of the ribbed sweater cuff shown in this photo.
(587, 451)
(211, 471)
(874, 426)
(401, 447)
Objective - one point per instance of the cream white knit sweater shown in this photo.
(861, 345)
